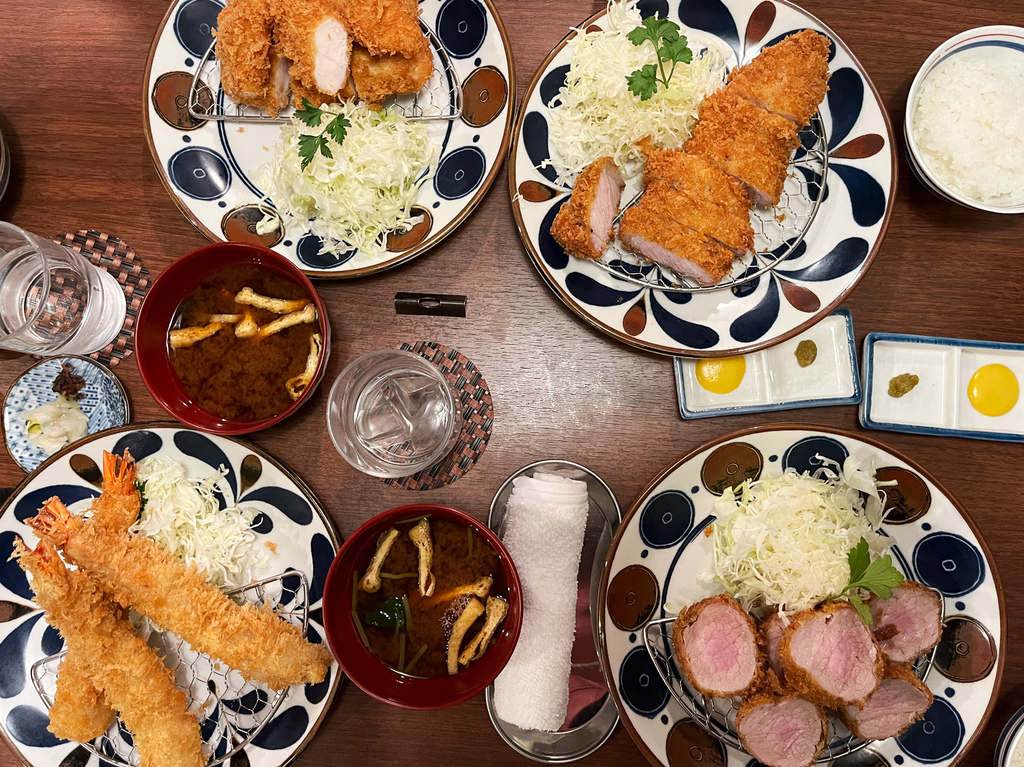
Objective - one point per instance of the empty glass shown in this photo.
(392, 413)
(53, 300)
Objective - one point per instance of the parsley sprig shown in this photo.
(672, 49)
(311, 143)
(878, 577)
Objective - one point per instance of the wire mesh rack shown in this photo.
(232, 711)
(778, 231)
(439, 99)
(718, 715)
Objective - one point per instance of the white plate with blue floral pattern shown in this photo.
(290, 518)
(104, 402)
(661, 550)
(835, 254)
(209, 167)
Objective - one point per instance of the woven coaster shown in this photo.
(477, 412)
(131, 274)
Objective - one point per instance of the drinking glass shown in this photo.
(53, 300)
(392, 413)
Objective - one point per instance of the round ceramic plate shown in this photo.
(835, 254)
(210, 167)
(661, 551)
(104, 402)
(290, 518)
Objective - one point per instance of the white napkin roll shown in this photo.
(545, 520)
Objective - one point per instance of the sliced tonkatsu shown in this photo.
(781, 730)
(909, 623)
(695, 193)
(789, 78)
(648, 232)
(900, 700)
(716, 645)
(583, 225)
(746, 142)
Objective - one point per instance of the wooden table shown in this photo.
(71, 110)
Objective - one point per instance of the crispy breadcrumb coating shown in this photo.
(377, 77)
(574, 224)
(384, 27)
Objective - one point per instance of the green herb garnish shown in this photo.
(879, 577)
(672, 49)
(389, 614)
(311, 143)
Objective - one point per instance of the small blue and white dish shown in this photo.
(773, 379)
(104, 401)
(958, 381)
(1007, 41)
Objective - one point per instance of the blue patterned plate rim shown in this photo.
(536, 259)
(869, 360)
(387, 263)
(105, 371)
(853, 399)
(813, 430)
(309, 496)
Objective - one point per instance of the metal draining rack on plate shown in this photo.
(440, 99)
(778, 231)
(718, 715)
(243, 708)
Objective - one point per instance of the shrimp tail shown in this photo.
(118, 472)
(54, 522)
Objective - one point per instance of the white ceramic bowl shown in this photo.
(1002, 36)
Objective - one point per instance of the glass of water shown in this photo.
(392, 413)
(53, 300)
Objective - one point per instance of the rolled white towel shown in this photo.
(545, 519)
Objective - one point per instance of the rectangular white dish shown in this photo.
(939, 404)
(773, 379)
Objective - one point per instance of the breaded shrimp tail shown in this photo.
(257, 643)
(79, 711)
(132, 678)
(120, 501)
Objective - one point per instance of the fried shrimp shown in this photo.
(79, 711)
(132, 678)
(119, 504)
(257, 643)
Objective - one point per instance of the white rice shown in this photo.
(969, 124)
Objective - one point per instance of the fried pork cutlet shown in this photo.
(746, 142)
(789, 78)
(252, 70)
(377, 77)
(384, 27)
(314, 38)
(583, 226)
(317, 98)
(647, 231)
(695, 193)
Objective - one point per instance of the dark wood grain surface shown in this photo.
(71, 109)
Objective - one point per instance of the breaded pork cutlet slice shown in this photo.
(695, 193)
(317, 98)
(313, 38)
(789, 78)
(377, 77)
(252, 70)
(583, 225)
(746, 142)
(645, 230)
(384, 27)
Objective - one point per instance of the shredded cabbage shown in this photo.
(597, 115)
(783, 542)
(183, 516)
(365, 190)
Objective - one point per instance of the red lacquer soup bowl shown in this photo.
(371, 674)
(165, 296)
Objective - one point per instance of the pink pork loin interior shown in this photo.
(781, 733)
(717, 647)
(829, 655)
(900, 700)
(909, 623)
(771, 632)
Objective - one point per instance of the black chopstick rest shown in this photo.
(432, 304)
